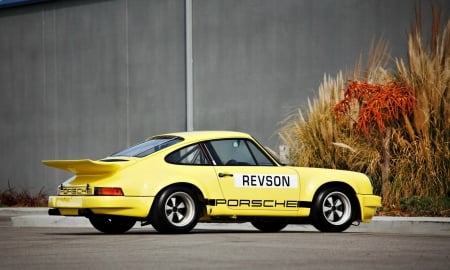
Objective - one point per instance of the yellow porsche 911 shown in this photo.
(176, 180)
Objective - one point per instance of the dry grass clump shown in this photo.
(393, 125)
(425, 170)
(23, 198)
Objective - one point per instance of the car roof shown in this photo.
(207, 135)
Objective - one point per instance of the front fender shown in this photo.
(312, 179)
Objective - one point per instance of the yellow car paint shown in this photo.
(225, 192)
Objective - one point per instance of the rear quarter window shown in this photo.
(190, 155)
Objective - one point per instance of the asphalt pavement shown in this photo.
(38, 217)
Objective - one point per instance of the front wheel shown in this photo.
(175, 210)
(112, 224)
(332, 210)
(270, 226)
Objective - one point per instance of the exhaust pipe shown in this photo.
(53, 212)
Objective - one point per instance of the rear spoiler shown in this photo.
(84, 166)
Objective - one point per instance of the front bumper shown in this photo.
(369, 204)
(138, 207)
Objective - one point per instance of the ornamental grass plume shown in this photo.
(425, 170)
(394, 126)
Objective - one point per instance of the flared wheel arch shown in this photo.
(200, 197)
(348, 189)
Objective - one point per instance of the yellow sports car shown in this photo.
(176, 180)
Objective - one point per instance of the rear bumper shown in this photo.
(369, 204)
(101, 205)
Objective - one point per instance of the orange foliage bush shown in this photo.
(378, 104)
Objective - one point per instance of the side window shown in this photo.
(260, 157)
(233, 152)
(191, 155)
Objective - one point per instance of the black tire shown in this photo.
(175, 210)
(333, 210)
(270, 226)
(112, 224)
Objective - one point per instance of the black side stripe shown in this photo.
(300, 204)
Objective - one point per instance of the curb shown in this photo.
(37, 217)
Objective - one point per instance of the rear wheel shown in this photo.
(332, 210)
(269, 226)
(112, 224)
(175, 210)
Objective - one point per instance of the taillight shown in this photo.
(108, 191)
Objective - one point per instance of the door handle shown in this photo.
(225, 174)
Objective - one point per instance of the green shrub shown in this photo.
(426, 206)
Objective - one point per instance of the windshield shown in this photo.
(148, 147)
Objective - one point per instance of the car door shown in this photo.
(250, 181)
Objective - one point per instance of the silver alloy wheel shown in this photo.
(179, 209)
(336, 208)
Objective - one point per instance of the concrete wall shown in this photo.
(257, 61)
(82, 79)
